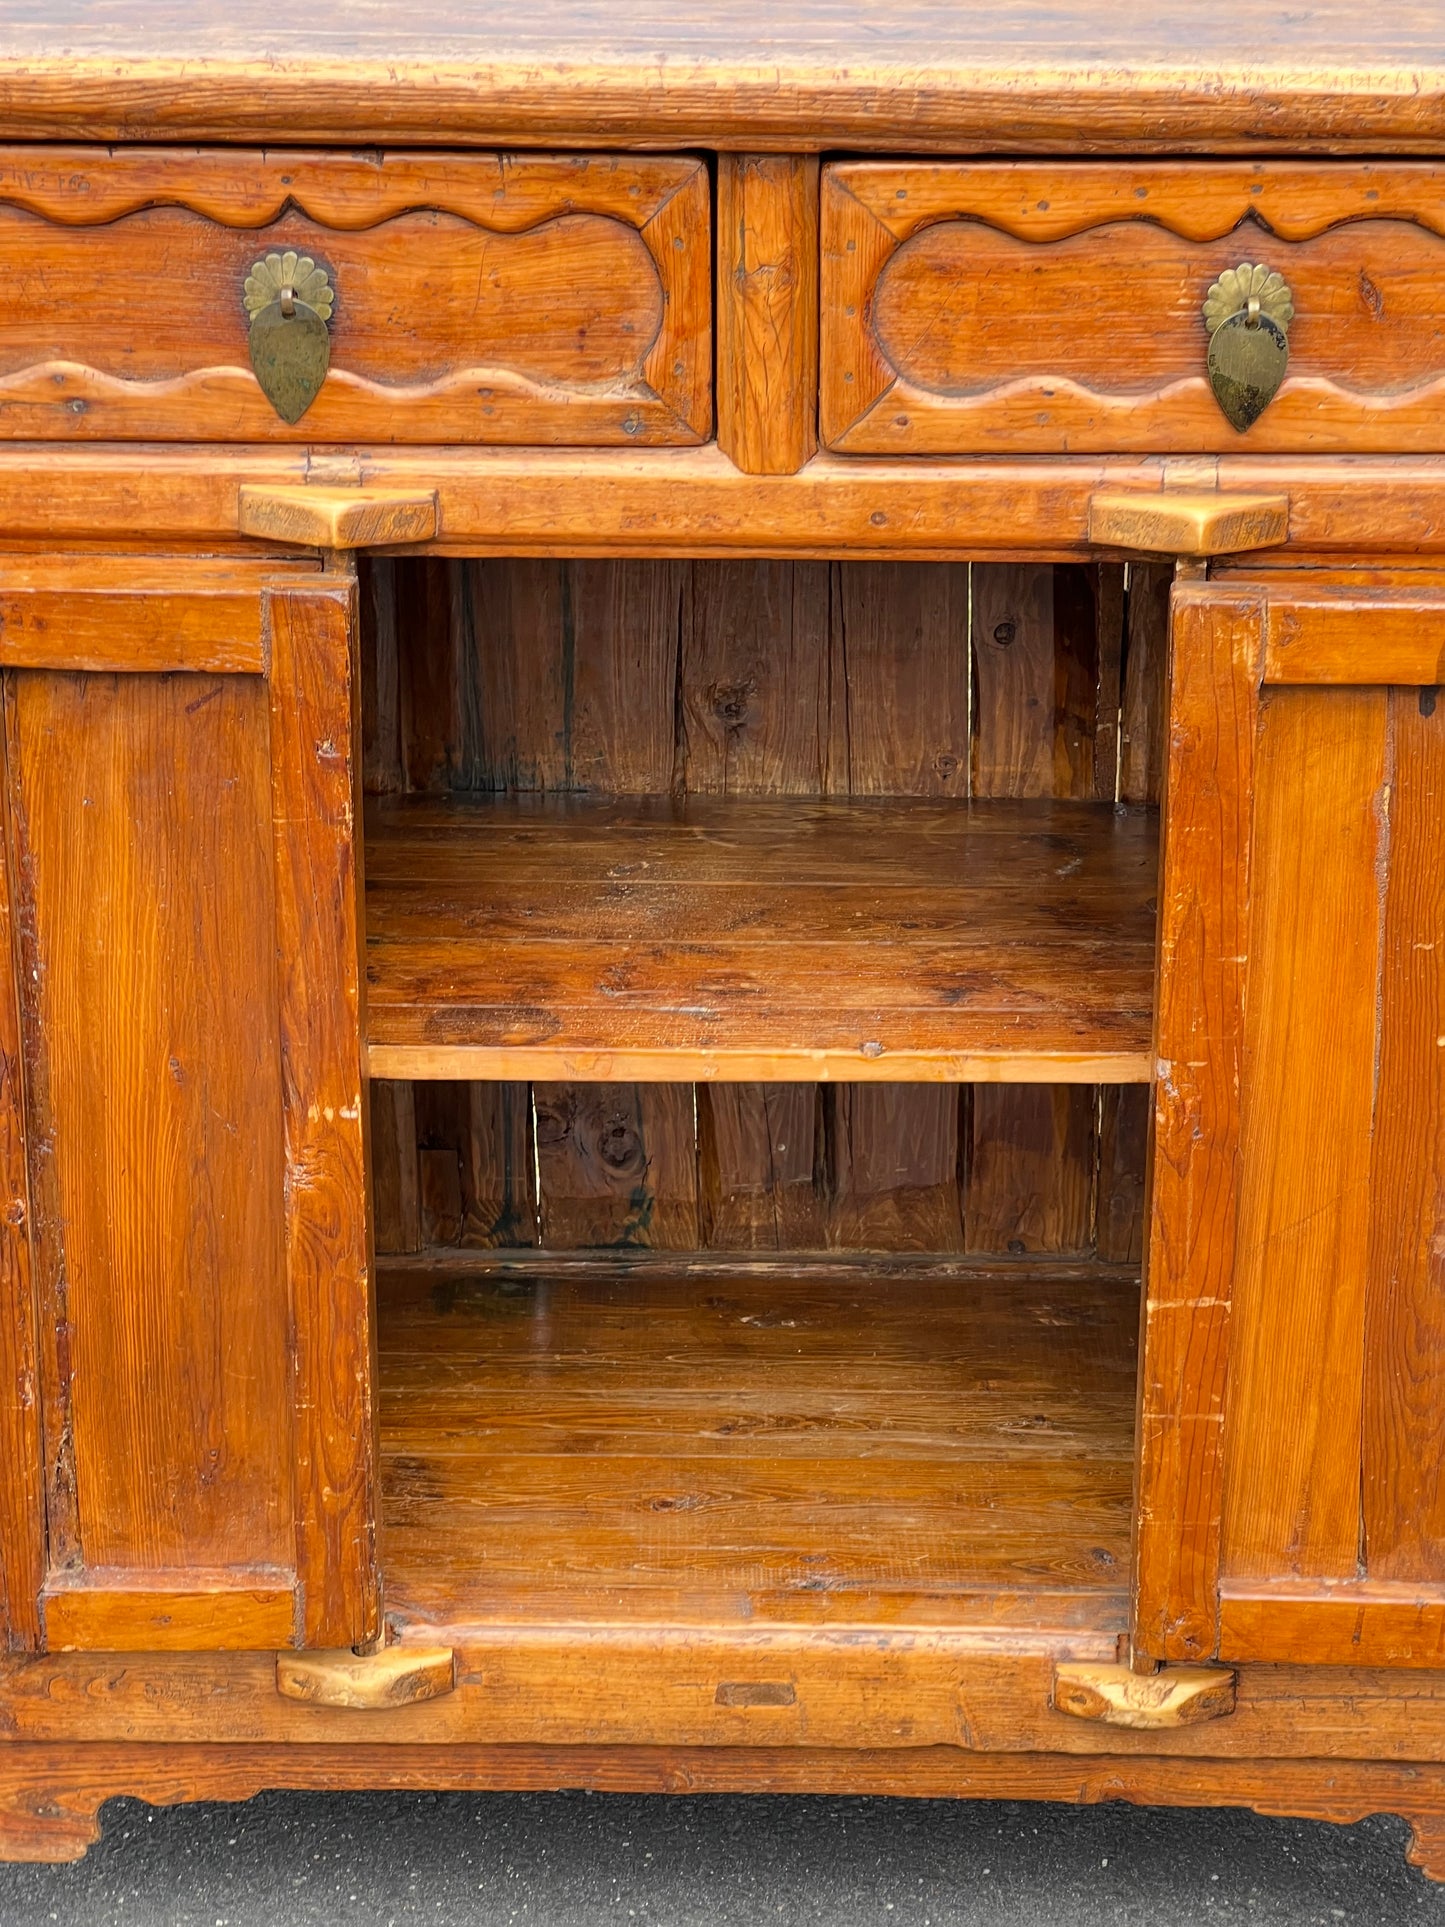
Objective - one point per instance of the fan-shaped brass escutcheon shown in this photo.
(290, 301)
(1247, 312)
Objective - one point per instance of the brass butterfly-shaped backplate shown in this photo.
(289, 299)
(1247, 313)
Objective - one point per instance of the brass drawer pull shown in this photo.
(290, 300)
(1247, 313)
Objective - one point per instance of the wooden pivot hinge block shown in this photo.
(338, 518)
(395, 1676)
(1173, 523)
(1152, 1702)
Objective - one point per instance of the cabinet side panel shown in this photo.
(22, 1521)
(1404, 1382)
(141, 813)
(316, 728)
(1293, 1429)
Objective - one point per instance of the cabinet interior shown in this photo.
(688, 1344)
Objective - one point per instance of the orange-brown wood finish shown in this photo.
(767, 314)
(1058, 308)
(165, 836)
(859, 918)
(478, 298)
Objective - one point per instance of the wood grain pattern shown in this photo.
(123, 1612)
(1203, 948)
(118, 614)
(607, 1443)
(1175, 522)
(823, 74)
(1292, 1493)
(337, 518)
(850, 938)
(154, 1099)
(1341, 633)
(22, 1485)
(967, 309)
(315, 731)
(694, 502)
(479, 298)
(1403, 1389)
(1363, 1622)
(767, 311)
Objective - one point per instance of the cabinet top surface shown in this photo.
(1014, 75)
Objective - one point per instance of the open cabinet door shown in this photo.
(1292, 1428)
(185, 1343)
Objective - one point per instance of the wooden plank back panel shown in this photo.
(143, 849)
(791, 679)
(1403, 1420)
(1047, 648)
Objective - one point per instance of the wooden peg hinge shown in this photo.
(395, 1676)
(1118, 1696)
(1172, 522)
(338, 518)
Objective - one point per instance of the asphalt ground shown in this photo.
(582, 1860)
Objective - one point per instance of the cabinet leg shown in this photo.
(43, 1815)
(1427, 1844)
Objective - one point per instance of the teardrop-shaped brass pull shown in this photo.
(289, 299)
(1247, 312)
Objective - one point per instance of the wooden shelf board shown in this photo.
(755, 938)
(712, 1446)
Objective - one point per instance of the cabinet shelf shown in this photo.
(676, 1441)
(642, 938)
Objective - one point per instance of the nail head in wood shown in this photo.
(338, 518)
(1175, 523)
(396, 1676)
(1117, 1696)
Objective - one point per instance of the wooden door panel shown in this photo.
(141, 821)
(180, 857)
(1292, 1462)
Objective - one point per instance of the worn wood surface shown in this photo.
(1116, 1695)
(478, 297)
(599, 1446)
(1176, 522)
(1203, 949)
(1056, 307)
(767, 311)
(115, 614)
(830, 73)
(315, 728)
(367, 1682)
(695, 502)
(848, 939)
(154, 1111)
(730, 684)
(338, 518)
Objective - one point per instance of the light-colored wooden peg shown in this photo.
(338, 518)
(1176, 523)
(1151, 1702)
(395, 1676)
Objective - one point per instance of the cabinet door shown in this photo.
(1292, 1436)
(185, 1440)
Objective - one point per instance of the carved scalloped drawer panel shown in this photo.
(478, 298)
(1057, 308)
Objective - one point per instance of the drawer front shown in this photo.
(1059, 308)
(473, 298)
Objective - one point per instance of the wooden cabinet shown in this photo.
(763, 1106)
(190, 1464)
(1293, 1399)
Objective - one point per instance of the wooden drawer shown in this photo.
(1051, 308)
(477, 298)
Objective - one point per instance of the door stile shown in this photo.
(1216, 651)
(316, 762)
(22, 1481)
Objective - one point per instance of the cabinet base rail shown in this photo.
(51, 1796)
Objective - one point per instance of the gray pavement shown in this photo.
(581, 1860)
